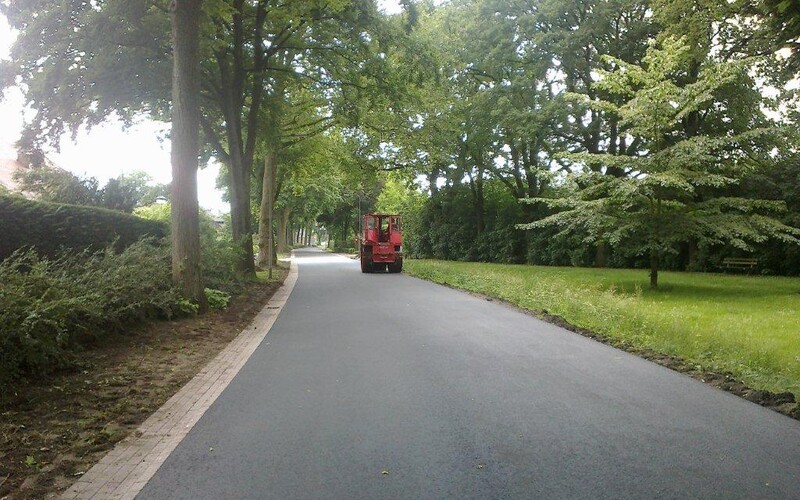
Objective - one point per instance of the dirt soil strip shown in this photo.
(124, 471)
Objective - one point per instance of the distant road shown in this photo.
(385, 386)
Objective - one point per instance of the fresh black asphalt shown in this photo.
(386, 386)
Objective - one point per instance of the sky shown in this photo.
(107, 150)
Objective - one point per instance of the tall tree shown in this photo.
(83, 62)
(185, 219)
(655, 207)
(314, 40)
(778, 28)
(50, 183)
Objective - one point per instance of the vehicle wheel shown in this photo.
(396, 266)
(366, 265)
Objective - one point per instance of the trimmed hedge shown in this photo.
(51, 227)
(49, 307)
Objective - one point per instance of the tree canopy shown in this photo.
(627, 133)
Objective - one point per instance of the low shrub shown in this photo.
(218, 259)
(50, 306)
(219, 254)
(217, 299)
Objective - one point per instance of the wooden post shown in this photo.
(269, 219)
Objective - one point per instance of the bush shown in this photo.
(51, 227)
(218, 251)
(49, 307)
(217, 299)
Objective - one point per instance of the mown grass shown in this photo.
(746, 325)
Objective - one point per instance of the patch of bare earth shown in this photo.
(53, 431)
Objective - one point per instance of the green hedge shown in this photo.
(50, 227)
(50, 306)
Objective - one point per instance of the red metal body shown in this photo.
(381, 243)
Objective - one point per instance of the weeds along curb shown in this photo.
(783, 402)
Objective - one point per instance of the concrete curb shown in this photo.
(124, 471)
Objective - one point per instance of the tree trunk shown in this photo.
(345, 227)
(480, 201)
(600, 254)
(186, 268)
(433, 179)
(480, 224)
(654, 258)
(692, 255)
(241, 137)
(283, 230)
(476, 188)
(240, 214)
(267, 203)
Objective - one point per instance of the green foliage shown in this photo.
(218, 252)
(778, 27)
(395, 196)
(779, 181)
(69, 58)
(745, 325)
(126, 192)
(49, 227)
(398, 196)
(311, 178)
(443, 226)
(485, 101)
(52, 184)
(219, 255)
(155, 211)
(186, 306)
(56, 185)
(217, 299)
(667, 196)
(49, 306)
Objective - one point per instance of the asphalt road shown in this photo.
(386, 386)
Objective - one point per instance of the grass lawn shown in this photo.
(746, 325)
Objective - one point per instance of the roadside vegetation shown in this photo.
(745, 325)
(54, 428)
(98, 273)
(563, 133)
(94, 334)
